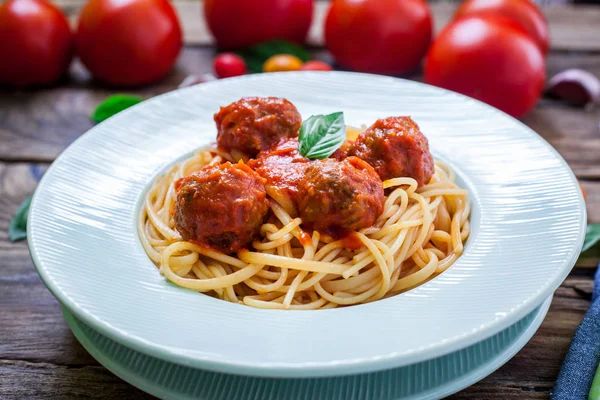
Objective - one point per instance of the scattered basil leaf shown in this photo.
(321, 135)
(256, 55)
(592, 236)
(113, 105)
(253, 63)
(17, 228)
(594, 393)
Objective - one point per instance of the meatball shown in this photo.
(252, 124)
(283, 167)
(395, 147)
(336, 194)
(221, 206)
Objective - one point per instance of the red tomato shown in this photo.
(523, 12)
(379, 36)
(36, 44)
(241, 23)
(227, 65)
(128, 42)
(316, 65)
(490, 59)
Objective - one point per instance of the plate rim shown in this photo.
(448, 388)
(321, 368)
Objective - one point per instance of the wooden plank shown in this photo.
(25, 380)
(38, 125)
(572, 131)
(573, 27)
(17, 181)
(31, 324)
(37, 332)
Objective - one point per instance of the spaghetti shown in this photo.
(420, 233)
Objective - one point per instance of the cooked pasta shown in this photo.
(419, 234)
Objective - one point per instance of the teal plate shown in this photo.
(431, 379)
(527, 228)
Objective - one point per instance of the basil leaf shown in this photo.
(321, 135)
(113, 105)
(592, 236)
(17, 228)
(256, 55)
(595, 389)
(253, 63)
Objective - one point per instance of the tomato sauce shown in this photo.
(349, 238)
(282, 166)
(351, 241)
(304, 239)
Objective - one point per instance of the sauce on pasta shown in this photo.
(251, 221)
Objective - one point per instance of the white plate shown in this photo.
(432, 379)
(527, 230)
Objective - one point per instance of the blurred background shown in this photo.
(151, 46)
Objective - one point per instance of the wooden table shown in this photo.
(40, 358)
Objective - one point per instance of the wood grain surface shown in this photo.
(39, 356)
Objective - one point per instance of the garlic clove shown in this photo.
(575, 86)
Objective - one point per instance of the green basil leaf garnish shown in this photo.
(17, 228)
(113, 105)
(321, 135)
(256, 55)
(592, 236)
(595, 389)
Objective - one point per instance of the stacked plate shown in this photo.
(527, 227)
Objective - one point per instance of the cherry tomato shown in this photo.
(241, 23)
(282, 63)
(227, 65)
(490, 59)
(36, 44)
(316, 65)
(126, 43)
(379, 36)
(523, 12)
